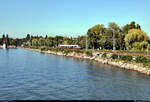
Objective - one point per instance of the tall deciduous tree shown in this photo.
(117, 35)
(130, 26)
(49, 41)
(134, 36)
(28, 37)
(94, 35)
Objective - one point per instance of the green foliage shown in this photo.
(106, 43)
(143, 45)
(43, 48)
(101, 37)
(49, 41)
(104, 55)
(134, 36)
(66, 51)
(113, 26)
(141, 59)
(114, 56)
(41, 41)
(146, 64)
(78, 51)
(34, 47)
(148, 47)
(125, 57)
(130, 26)
(129, 37)
(35, 42)
(136, 46)
(81, 41)
(89, 53)
(94, 34)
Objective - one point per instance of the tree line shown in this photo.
(128, 37)
(10, 41)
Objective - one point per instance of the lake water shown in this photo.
(29, 75)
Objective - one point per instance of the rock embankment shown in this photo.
(97, 56)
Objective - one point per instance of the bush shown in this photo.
(141, 59)
(104, 55)
(88, 53)
(44, 48)
(114, 56)
(147, 64)
(66, 51)
(125, 57)
(57, 49)
(34, 47)
(77, 51)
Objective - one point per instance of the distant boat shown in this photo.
(4, 46)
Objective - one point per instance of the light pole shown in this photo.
(114, 48)
(86, 42)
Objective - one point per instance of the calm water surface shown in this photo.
(28, 75)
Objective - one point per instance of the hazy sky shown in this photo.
(69, 17)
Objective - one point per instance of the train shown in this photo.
(69, 46)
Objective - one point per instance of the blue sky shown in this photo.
(69, 17)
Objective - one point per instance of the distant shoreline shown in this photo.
(119, 64)
(12, 47)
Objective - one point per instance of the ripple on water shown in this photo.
(28, 75)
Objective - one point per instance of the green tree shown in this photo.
(116, 33)
(135, 35)
(81, 40)
(41, 42)
(58, 40)
(34, 42)
(114, 26)
(49, 41)
(130, 26)
(13, 42)
(28, 37)
(7, 40)
(94, 35)
(143, 45)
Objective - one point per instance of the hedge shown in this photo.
(114, 56)
(125, 57)
(141, 59)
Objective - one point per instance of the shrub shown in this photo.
(114, 56)
(88, 53)
(125, 57)
(141, 59)
(44, 48)
(34, 47)
(104, 55)
(146, 64)
(66, 51)
(78, 51)
(57, 49)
